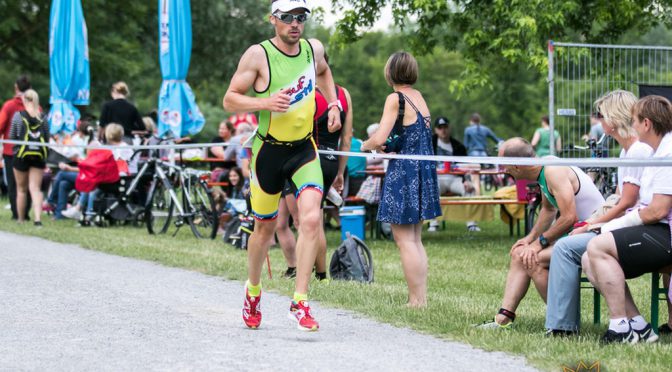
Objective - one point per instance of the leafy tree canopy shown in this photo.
(123, 45)
(490, 32)
(511, 105)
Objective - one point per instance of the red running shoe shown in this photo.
(252, 310)
(301, 314)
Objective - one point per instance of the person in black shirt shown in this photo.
(122, 112)
(444, 144)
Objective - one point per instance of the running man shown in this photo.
(284, 72)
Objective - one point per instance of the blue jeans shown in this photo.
(477, 153)
(60, 188)
(86, 200)
(563, 310)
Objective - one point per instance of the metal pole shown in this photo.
(551, 97)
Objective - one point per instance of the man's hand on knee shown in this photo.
(520, 243)
(529, 256)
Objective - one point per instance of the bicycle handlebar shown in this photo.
(591, 144)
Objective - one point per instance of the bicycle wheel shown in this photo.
(602, 183)
(487, 182)
(532, 213)
(532, 207)
(201, 206)
(159, 208)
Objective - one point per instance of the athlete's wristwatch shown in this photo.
(543, 241)
(336, 103)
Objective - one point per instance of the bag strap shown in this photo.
(369, 257)
(399, 123)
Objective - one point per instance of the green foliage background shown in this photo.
(486, 57)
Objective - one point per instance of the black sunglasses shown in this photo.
(288, 18)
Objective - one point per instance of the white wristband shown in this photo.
(336, 103)
(632, 218)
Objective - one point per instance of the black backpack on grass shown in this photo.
(352, 260)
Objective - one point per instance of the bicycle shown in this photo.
(532, 208)
(496, 181)
(603, 177)
(194, 205)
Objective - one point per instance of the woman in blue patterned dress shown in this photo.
(410, 192)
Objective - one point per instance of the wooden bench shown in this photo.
(487, 201)
(371, 210)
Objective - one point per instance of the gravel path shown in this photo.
(67, 308)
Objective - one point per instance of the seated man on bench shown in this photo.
(568, 194)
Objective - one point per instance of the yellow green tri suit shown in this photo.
(283, 148)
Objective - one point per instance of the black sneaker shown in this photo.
(647, 334)
(629, 337)
(290, 273)
(664, 329)
(560, 333)
(37, 224)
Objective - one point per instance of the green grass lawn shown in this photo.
(466, 279)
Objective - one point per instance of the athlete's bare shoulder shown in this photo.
(254, 58)
(252, 70)
(317, 46)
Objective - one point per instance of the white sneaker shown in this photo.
(433, 226)
(492, 324)
(646, 335)
(473, 228)
(72, 213)
(8, 207)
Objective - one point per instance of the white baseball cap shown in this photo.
(289, 5)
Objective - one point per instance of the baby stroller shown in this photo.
(238, 230)
(116, 203)
(116, 199)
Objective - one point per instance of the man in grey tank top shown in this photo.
(569, 195)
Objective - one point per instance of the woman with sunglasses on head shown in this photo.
(410, 191)
(284, 72)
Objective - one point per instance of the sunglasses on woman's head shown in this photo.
(288, 18)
